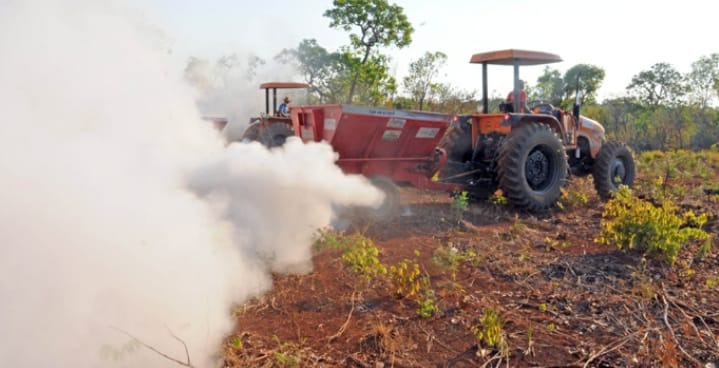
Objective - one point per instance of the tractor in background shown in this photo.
(270, 128)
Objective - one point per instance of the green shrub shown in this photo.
(460, 202)
(359, 252)
(572, 199)
(427, 307)
(363, 259)
(407, 278)
(632, 223)
(490, 331)
(498, 198)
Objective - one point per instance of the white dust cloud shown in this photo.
(98, 231)
(229, 87)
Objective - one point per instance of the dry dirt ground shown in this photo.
(564, 300)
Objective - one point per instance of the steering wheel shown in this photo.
(541, 107)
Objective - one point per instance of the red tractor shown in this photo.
(529, 155)
(271, 129)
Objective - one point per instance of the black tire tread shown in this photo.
(271, 131)
(511, 166)
(603, 182)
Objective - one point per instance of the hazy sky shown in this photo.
(623, 37)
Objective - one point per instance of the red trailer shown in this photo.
(387, 146)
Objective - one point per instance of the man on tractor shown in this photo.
(523, 108)
(284, 109)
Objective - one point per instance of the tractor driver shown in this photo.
(523, 108)
(284, 109)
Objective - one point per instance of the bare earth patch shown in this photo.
(564, 300)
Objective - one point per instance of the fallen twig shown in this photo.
(344, 325)
(607, 349)
(674, 336)
(158, 352)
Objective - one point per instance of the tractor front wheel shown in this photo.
(275, 135)
(532, 165)
(614, 166)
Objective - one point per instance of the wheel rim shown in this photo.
(278, 140)
(617, 171)
(537, 169)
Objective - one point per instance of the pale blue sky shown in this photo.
(623, 37)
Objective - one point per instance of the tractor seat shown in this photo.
(506, 106)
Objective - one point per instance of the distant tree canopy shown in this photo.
(662, 108)
(332, 75)
(584, 79)
(660, 85)
(665, 108)
(421, 82)
(374, 23)
(704, 80)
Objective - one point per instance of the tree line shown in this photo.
(662, 108)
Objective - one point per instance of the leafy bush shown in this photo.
(427, 307)
(490, 332)
(498, 198)
(632, 223)
(572, 199)
(407, 278)
(359, 252)
(363, 259)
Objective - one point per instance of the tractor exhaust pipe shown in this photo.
(575, 107)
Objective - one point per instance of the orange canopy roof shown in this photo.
(508, 57)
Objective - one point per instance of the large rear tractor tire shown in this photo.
(275, 135)
(532, 167)
(390, 206)
(613, 166)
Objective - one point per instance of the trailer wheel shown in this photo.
(532, 165)
(614, 166)
(275, 135)
(390, 206)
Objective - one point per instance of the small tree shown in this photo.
(549, 88)
(704, 80)
(590, 79)
(660, 85)
(420, 82)
(378, 23)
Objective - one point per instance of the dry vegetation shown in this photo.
(484, 285)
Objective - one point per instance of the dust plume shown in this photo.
(99, 233)
(228, 87)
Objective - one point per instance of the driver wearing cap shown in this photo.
(284, 109)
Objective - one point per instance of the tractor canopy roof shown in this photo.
(284, 85)
(513, 56)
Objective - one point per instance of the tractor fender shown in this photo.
(517, 120)
(593, 132)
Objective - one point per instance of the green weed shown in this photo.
(632, 223)
(407, 278)
(572, 199)
(450, 259)
(498, 198)
(363, 259)
(490, 331)
(287, 354)
(427, 306)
